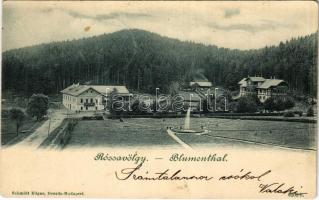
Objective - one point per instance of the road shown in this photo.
(40, 134)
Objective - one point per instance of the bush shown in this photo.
(279, 105)
(289, 103)
(310, 112)
(17, 115)
(38, 105)
(289, 114)
(298, 113)
(232, 106)
(269, 104)
(246, 104)
(138, 107)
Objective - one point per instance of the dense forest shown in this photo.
(143, 60)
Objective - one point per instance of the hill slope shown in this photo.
(142, 60)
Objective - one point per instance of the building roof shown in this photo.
(270, 83)
(243, 82)
(256, 79)
(267, 83)
(77, 89)
(109, 88)
(201, 83)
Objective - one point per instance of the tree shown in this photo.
(38, 106)
(138, 107)
(279, 105)
(269, 104)
(207, 105)
(289, 103)
(17, 115)
(246, 104)
(310, 112)
(115, 103)
(144, 61)
(174, 88)
(233, 106)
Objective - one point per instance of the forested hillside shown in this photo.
(143, 61)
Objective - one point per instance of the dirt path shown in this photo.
(41, 133)
(178, 140)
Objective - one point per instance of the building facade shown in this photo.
(200, 85)
(90, 97)
(263, 88)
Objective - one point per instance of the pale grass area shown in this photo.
(151, 132)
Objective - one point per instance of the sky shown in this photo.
(229, 24)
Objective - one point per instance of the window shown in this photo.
(81, 101)
(95, 108)
(81, 108)
(95, 100)
(91, 100)
(87, 100)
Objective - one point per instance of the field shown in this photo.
(150, 132)
(8, 130)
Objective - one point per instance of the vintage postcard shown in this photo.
(159, 99)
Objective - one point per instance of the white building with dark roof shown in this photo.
(90, 97)
(263, 88)
(201, 84)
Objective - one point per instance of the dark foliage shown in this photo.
(277, 104)
(247, 104)
(17, 115)
(310, 112)
(289, 114)
(289, 103)
(38, 105)
(269, 104)
(142, 60)
(139, 107)
(115, 105)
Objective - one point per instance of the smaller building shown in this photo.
(90, 97)
(263, 88)
(200, 85)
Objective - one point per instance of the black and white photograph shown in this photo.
(164, 76)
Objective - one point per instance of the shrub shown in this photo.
(233, 106)
(17, 115)
(289, 103)
(298, 113)
(272, 104)
(310, 112)
(269, 104)
(279, 105)
(38, 105)
(289, 114)
(246, 104)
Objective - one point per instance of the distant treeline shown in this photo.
(143, 61)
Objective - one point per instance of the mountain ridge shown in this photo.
(145, 60)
